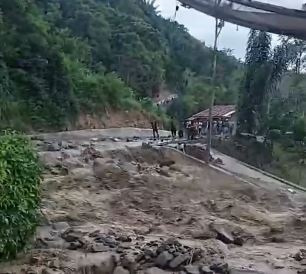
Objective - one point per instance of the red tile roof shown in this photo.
(218, 111)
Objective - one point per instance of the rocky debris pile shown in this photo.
(300, 257)
(130, 253)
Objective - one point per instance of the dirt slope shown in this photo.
(142, 210)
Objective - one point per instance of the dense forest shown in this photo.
(63, 58)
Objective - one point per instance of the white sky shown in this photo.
(202, 26)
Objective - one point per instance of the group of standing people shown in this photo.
(195, 128)
(199, 128)
(173, 129)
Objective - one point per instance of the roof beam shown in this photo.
(271, 8)
(270, 22)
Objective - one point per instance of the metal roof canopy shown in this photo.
(261, 16)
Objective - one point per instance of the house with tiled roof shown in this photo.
(219, 112)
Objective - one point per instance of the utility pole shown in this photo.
(219, 24)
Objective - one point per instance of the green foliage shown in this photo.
(73, 57)
(19, 193)
(264, 70)
(299, 130)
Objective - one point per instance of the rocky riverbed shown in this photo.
(113, 206)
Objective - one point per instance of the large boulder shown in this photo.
(163, 259)
(81, 174)
(105, 168)
(50, 158)
(97, 263)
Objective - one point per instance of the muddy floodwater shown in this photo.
(114, 206)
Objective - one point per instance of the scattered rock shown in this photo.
(192, 269)
(51, 271)
(120, 270)
(246, 271)
(238, 241)
(218, 161)
(104, 169)
(53, 147)
(124, 239)
(128, 262)
(179, 260)
(60, 226)
(164, 171)
(203, 234)
(155, 270)
(71, 163)
(90, 153)
(98, 247)
(205, 270)
(277, 239)
(167, 163)
(299, 256)
(79, 174)
(163, 259)
(99, 263)
(55, 263)
(71, 235)
(75, 245)
(220, 268)
(85, 144)
(223, 235)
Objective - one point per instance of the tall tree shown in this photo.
(255, 82)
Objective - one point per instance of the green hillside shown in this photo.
(63, 58)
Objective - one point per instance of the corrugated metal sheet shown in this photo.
(285, 21)
(218, 111)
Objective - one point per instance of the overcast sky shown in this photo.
(202, 26)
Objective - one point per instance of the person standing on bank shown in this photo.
(173, 128)
(155, 130)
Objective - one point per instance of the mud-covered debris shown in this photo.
(100, 263)
(300, 255)
(203, 234)
(50, 271)
(128, 261)
(55, 263)
(124, 239)
(205, 270)
(90, 153)
(179, 260)
(167, 163)
(53, 147)
(120, 270)
(75, 245)
(218, 161)
(220, 268)
(246, 271)
(223, 235)
(107, 240)
(278, 239)
(163, 259)
(97, 247)
(60, 226)
(192, 269)
(102, 168)
(238, 241)
(155, 270)
(72, 235)
(164, 171)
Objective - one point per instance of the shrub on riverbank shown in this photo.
(19, 193)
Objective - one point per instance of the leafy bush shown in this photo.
(19, 193)
(299, 130)
(275, 134)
